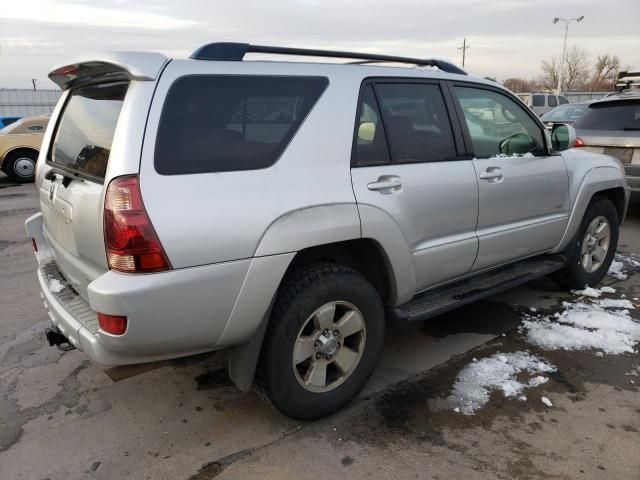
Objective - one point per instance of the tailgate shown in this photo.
(71, 193)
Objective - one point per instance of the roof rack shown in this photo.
(226, 51)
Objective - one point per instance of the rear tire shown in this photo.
(21, 166)
(323, 341)
(594, 246)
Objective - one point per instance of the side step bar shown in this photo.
(440, 300)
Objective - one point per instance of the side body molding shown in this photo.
(581, 191)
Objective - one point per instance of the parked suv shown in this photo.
(287, 210)
(612, 126)
(541, 102)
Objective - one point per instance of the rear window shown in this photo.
(621, 116)
(83, 138)
(564, 112)
(538, 101)
(231, 122)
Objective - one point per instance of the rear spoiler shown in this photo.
(117, 65)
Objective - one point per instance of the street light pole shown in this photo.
(564, 45)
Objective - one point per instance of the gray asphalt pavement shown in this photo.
(63, 417)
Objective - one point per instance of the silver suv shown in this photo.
(287, 210)
(541, 102)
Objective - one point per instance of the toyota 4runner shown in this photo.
(288, 210)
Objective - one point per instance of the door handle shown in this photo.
(386, 184)
(493, 174)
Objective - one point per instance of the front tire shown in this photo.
(323, 341)
(593, 248)
(21, 166)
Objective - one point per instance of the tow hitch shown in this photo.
(57, 339)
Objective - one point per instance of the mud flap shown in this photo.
(243, 359)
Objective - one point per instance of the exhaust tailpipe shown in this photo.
(57, 339)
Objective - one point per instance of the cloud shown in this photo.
(54, 13)
(507, 37)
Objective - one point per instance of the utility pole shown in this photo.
(564, 45)
(464, 49)
(33, 82)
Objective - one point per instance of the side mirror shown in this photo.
(563, 137)
(367, 131)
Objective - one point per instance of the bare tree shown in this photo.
(605, 71)
(550, 71)
(575, 70)
(519, 85)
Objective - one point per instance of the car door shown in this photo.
(523, 190)
(408, 161)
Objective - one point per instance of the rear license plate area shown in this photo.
(623, 154)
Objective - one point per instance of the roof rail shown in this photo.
(226, 51)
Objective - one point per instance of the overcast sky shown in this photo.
(507, 37)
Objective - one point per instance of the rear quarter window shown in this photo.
(221, 123)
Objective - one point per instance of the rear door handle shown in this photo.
(386, 184)
(492, 174)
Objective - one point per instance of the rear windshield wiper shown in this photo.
(66, 176)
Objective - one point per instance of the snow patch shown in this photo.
(584, 326)
(607, 290)
(615, 303)
(498, 372)
(616, 270)
(55, 286)
(546, 401)
(588, 292)
(537, 381)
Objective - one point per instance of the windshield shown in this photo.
(84, 135)
(616, 115)
(564, 112)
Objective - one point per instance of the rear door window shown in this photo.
(617, 115)
(225, 123)
(538, 101)
(553, 102)
(416, 122)
(83, 138)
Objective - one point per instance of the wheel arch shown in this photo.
(364, 255)
(605, 181)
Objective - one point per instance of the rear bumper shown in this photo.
(170, 314)
(633, 177)
(634, 183)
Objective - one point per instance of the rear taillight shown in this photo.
(113, 324)
(34, 244)
(579, 142)
(130, 240)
